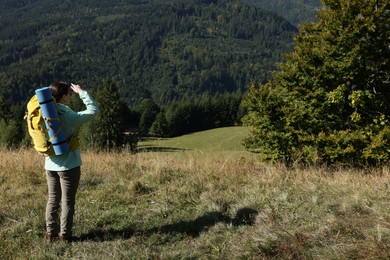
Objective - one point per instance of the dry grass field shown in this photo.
(192, 204)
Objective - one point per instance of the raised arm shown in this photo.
(76, 119)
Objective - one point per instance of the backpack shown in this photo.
(38, 131)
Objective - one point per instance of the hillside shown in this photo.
(295, 11)
(150, 49)
(226, 139)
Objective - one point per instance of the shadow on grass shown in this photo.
(193, 228)
(159, 149)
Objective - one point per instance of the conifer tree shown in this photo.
(106, 130)
(148, 110)
(160, 125)
(329, 102)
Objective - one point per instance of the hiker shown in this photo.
(63, 171)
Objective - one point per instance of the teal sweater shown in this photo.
(71, 122)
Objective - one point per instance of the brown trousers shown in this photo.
(62, 188)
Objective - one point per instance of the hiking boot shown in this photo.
(50, 238)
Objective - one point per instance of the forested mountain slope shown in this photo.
(295, 11)
(150, 49)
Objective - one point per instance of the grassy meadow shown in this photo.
(199, 196)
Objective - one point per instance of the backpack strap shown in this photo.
(48, 119)
(73, 141)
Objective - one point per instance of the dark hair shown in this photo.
(59, 89)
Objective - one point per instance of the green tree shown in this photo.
(10, 124)
(329, 102)
(105, 132)
(9, 134)
(178, 116)
(4, 108)
(148, 110)
(160, 125)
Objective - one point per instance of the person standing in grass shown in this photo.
(63, 171)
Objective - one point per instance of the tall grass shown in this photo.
(198, 205)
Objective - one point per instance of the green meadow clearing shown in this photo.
(199, 196)
(221, 140)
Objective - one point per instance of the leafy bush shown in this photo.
(9, 134)
(329, 101)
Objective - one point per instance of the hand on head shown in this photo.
(76, 88)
